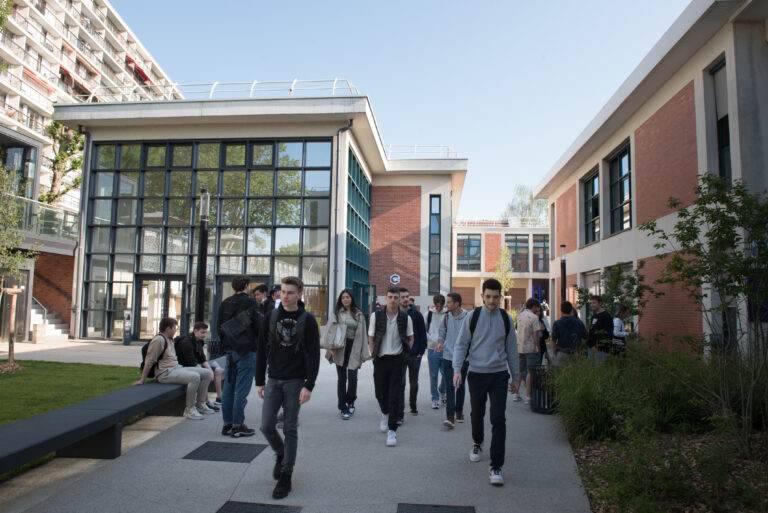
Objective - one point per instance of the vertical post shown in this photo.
(562, 273)
(14, 293)
(202, 255)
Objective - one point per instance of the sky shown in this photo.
(507, 84)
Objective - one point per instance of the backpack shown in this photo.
(236, 332)
(429, 318)
(144, 348)
(473, 325)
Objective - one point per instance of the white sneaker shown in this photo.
(527, 400)
(192, 413)
(474, 455)
(435, 405)
(384, 425)
(203, 408)
(495, 477)
(516, 397)
(391, 439)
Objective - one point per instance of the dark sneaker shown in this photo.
(226, 430)
(448, 422)
(345, 414)
(283, 486)
(495, 477)
(278, 467)
(351, 408)
(217, 402)
(414, 411)
(474, 454)
(212, 406)
(459, 417)
(238, 431)
(400, 422)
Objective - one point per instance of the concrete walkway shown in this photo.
(342, 466)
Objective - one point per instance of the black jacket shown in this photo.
(419, 332)
(232, 306)
(189, 351)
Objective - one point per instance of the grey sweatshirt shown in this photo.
(449, 332)
(489, 352)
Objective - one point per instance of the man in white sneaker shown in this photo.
(161, 354)
(528, 326)
(390, 339)
(488, 337)
(447, 336)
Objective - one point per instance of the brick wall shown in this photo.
(467, 296)
(565, 224)
(666, 163)
(396, 236)
(492, 251)
(674, 313)
(53, 283)
(570, 293)
(517, 295)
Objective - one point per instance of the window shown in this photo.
(517, 245)
(721, 113)
(468, 252)
(434, 244)
(541, 253)
(358, 223)
(621, 195)
(592, 209)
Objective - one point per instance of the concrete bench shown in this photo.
(89, 429)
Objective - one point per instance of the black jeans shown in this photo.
(346, 388)
(387, 380)
(454, 396)
(285, 393)
(494, 387)
(411, 366)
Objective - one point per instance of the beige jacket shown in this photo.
(165, 360)
(360, 351)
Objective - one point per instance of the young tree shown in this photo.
(67, 160)
(717, 252)
(523, 205)
(12, 257)
(503, 271)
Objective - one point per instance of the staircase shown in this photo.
(54, 329)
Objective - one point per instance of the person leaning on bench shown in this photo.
(161, 352)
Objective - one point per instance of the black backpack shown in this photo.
(236, 332)
(144, 348)
(473, 325)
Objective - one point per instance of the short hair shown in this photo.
(492, 284)
(439, 298)
(566, 307)
(622, 310)
(167, 322)
(455, 297)
(393, 290)
(240, 282)
(293, 280)
(262, 288)
(596, 298)
(531, 303)
(403, 289)
(200, 326)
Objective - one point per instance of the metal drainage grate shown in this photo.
(252, 507)
(433, 508)
(222, 451)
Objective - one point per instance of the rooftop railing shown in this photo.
(48, 220)
(227, 90)
(511, 222)
(417, 151)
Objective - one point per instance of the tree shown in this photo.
(67, 161)
(503, 271)
(717, 252)
(12, 257)
(523, 205)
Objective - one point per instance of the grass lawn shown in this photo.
(46, 386)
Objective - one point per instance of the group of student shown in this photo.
(282, 341)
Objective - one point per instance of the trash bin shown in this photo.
(541, 390)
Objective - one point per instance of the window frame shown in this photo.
(467, 260)
(592, 225)
(615, 180)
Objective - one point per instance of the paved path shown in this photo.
(342, 466)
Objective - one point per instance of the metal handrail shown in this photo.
(45, 310)
(415, 151)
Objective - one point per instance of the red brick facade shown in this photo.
(666, 163)
(570, 293)
(396, 236)
(565, 221)
(467, 296)
(517, 296)
(674, 313)
(53, 283)
(492, 251)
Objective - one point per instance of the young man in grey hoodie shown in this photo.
(492, 350)
(446, 339)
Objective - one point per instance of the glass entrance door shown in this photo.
(157, 297)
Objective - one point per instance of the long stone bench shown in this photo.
(89, 429)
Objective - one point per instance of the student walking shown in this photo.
(449, 333)
(289, 352)
(435, 358)
(529, 351)
(568, 335)
(486, 336)
(600, 329)
(390, 338)
(346, 342)
(412, 363)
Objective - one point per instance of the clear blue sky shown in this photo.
(508, 84)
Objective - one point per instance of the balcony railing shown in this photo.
(25, 119)
(417, 151)
(35, 32)
(52, 221)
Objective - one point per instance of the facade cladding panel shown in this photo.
(492, 251)
(269, 218)
(358, 224)
(666, 142)
(565, 224)
(396, 237)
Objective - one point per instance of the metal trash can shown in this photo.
(542, 400)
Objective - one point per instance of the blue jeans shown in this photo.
(237, 386)
(454, 397)
(435, 361)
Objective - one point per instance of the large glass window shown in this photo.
(541, 253)
(434, 244)
(468, 252)
(621, 195)
(592, 209)
(269, 215)
(517, 245)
